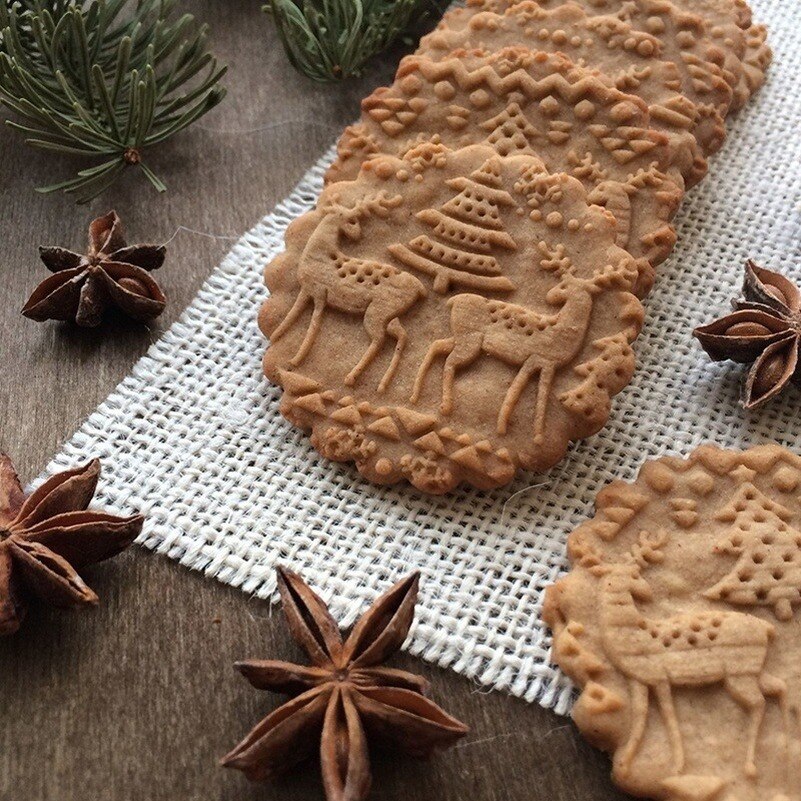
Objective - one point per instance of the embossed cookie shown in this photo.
(629, 58)
(715, 24)
(680, 621)
(728, 24)
(758, 56)
(684, 42)
(449, 317)
(739, 9)
(537, 103)
(743, 52)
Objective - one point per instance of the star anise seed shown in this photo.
(345, 697)
(764, 330)
(110, 274)
(47, 537)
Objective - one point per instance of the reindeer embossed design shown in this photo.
(537, 344)
(692, 649)
(330, 278)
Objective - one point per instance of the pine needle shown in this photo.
(329, 40)
(103, 79)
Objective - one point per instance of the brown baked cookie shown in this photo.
(629, 58)
(714, 21)
(689, 40)
(537, 103)
(737, 11)
(730, 27)
(720, 26)
(758, 56)
(450, 317)
(740, 9)
(684, 42)
(680, 621)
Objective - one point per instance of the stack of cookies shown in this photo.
(463, 299)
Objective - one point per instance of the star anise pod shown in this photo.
(764, 330)
(47, 537)
(110, 274)
(345, 697)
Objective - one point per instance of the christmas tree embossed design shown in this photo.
(510, 131)
(466, 231)
(768, 571)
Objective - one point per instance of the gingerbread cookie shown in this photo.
(724, 12)
(758, 56)
(713, 21)
(450, 316)
(629, 58)
(680, 621)
(737, 11)
(729, 25)
(537, 103)
(685, 42)
(739, 52)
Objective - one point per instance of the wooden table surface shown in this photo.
(138, 699)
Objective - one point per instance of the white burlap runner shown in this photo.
(194, 439)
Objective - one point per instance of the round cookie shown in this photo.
(685, 42)
(728, 25)
(711, 20)
(450, 317)
(680, 621)
(742, 50)
(537, 103)
(629, 58)
(758, 56)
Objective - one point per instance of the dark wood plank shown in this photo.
(138, 699)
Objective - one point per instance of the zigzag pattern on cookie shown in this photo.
(629, 58)
(521, 102)
(710, 72)
(723, 45)
(729, 25)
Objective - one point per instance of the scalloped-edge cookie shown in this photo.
(680, 621)
(685, 40)
(758, 56)
(628, 57)
(727, 24)
(450, 317)
(539, 104)
(712, 21)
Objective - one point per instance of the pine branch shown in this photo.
(329, 40)
(103, 80)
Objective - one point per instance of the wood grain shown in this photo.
(138, 699)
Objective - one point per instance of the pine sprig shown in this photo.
(329, 40)
(104, 79)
